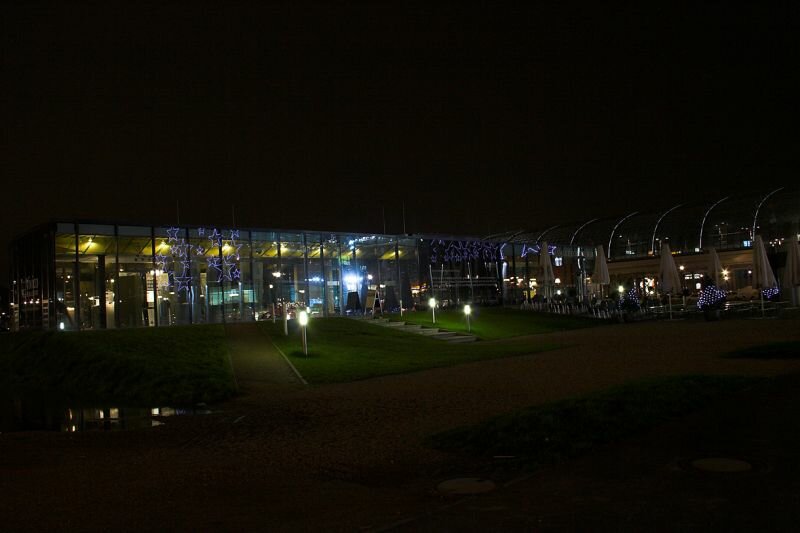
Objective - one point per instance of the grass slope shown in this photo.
(137, 367)
(548, 433)
(344, 349)
(498, 322)
(773, 350)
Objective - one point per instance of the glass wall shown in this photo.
(95, 276)
(236, 275)
(205, 292)
(456, 271)
(680, 228)
(135, 289)
(265, 273)
(634, 236)
(779, 217)
(410, 289)
(32, 286)
(367, 254)
(293, 279)
(387, 274)
(332, 272)
(97, 253)
(729, 224)
(66, 278)
(173, 256)
(316, 275)
(354, 275)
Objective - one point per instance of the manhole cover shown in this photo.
(721, 464)
(465, 485)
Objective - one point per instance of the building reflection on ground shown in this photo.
(34, 414)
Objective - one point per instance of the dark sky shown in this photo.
(480, 119)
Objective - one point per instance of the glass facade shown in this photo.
(65, 277)
(97, 274)
(265, 268)
(83, 276)
(136, 283)
(76, 276)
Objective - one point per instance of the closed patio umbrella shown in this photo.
(791, 274)
(714, 266)
(763, 277)
(547, 268)
(600, 275)
(670, 281)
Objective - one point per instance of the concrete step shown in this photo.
(434, 333)
(460, 339)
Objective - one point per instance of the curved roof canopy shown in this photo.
(728, 222)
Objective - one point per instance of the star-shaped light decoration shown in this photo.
(473, 251)
(216, 264)
(181, 249)
(227, 269)
(187, 266)
(183, 283)
(236, 252)
(234, 234)
(215, 238)
(173, 234)
(161, 259)
(201, 231)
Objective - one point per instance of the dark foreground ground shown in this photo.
(284, 457)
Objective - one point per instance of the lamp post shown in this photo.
(432, 304)
(683, 285)
(303, 319)
(467, 312)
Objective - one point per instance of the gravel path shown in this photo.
(337, 457)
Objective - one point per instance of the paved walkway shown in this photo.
(258, 365)
(284, 457)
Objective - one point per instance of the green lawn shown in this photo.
(344, 349)
(773, 350)
(548, 433)
(135, 367)
(498, 322)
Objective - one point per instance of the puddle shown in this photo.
(38, 415)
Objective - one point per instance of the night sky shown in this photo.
(315, 117)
